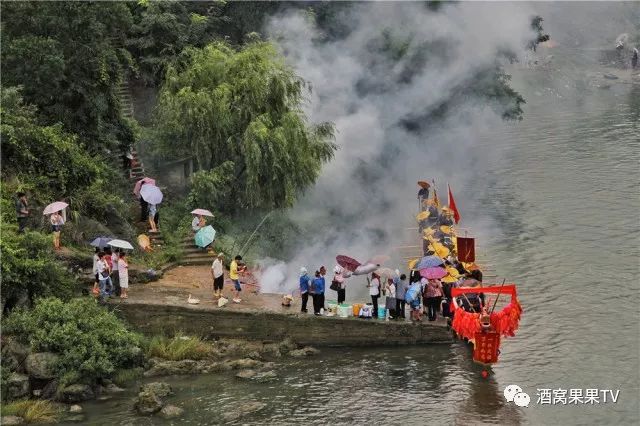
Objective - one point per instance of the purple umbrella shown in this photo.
(433, 273)
(429, 262)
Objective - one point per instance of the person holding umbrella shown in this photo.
(433, 297)
(123, 275)
(56, 226)
(22, 211)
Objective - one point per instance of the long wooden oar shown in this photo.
(497, 297)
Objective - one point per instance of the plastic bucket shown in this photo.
(356, 309)
(332, 306)
(382, 312)
(344, 310)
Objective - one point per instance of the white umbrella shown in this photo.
(121, 244)
(202, 212)
(151, 194)
(55, 207)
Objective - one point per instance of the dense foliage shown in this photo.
(243, 106)
(91, 341)
(29, 269)
(69, 57)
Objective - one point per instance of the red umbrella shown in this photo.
(433, 273)
(347, 262)
(136, 189)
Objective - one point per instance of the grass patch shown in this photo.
(124, 377)
(178, 348)
(32, 410)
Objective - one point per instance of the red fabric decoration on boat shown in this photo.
(485, 348)
(504, 322)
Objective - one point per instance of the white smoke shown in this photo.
(365, 199)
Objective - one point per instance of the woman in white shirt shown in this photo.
(123, 274)
(390, 303)
(217, 272)
(374, 292)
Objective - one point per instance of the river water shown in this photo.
(565, 192)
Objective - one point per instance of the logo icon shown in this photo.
(514, 393)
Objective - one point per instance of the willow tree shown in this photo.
(243, 107)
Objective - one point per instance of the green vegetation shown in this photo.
(126, 376)
(259, 140)
(32, 410)
(178, 348)
(89, 339)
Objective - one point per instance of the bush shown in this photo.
(32, 410)
(178, 348)
(29, 268)
(89, 339)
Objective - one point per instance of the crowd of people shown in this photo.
(111, 272)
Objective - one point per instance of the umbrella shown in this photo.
(386, 272)
(202, 212)
(121, 244)
(470, 266)
(449, 279)
(411, 264)
(55, 207)
(440, 249)
(100, 242)
(446, 229)
(433, 273)
(144, 242)
(365, 269)
(453, 272)
(136, 189)
(347, 262)
(429, 262)
(205, 236)
(422, 216)
(151, 194)
(423, 184)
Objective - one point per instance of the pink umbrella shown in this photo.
(136, 189)
(55, 207)
(347, 262)
(202, 212)
(433, 273)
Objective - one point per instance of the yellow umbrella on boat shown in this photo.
(440, 249)
(448, 279)
(412, 263)
(422, 215)
(446, 229)
(453, 272)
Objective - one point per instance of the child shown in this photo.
(152, 214)
(123, 273)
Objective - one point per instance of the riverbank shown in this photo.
(161, 307)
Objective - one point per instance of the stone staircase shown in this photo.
(194, 255)
(136, 168)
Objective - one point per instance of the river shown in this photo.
(565, 192)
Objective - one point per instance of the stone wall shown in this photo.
(269, 326)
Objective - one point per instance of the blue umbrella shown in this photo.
(429, 262)
(205, 236)
(101, 242)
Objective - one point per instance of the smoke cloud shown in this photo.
(365, 199)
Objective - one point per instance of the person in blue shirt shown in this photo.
(305, 281)
(318, 293)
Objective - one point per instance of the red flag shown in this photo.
(452, 206)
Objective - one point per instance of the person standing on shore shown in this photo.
(374, 292)
(305, 281)
(390, 301)
(433, 298)
(338, 277)
(234, 274)
(115, 256)
(401, 290)
(103, 276)
(123, 275)
(22, 211)
(217, 272)
(318, 293)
